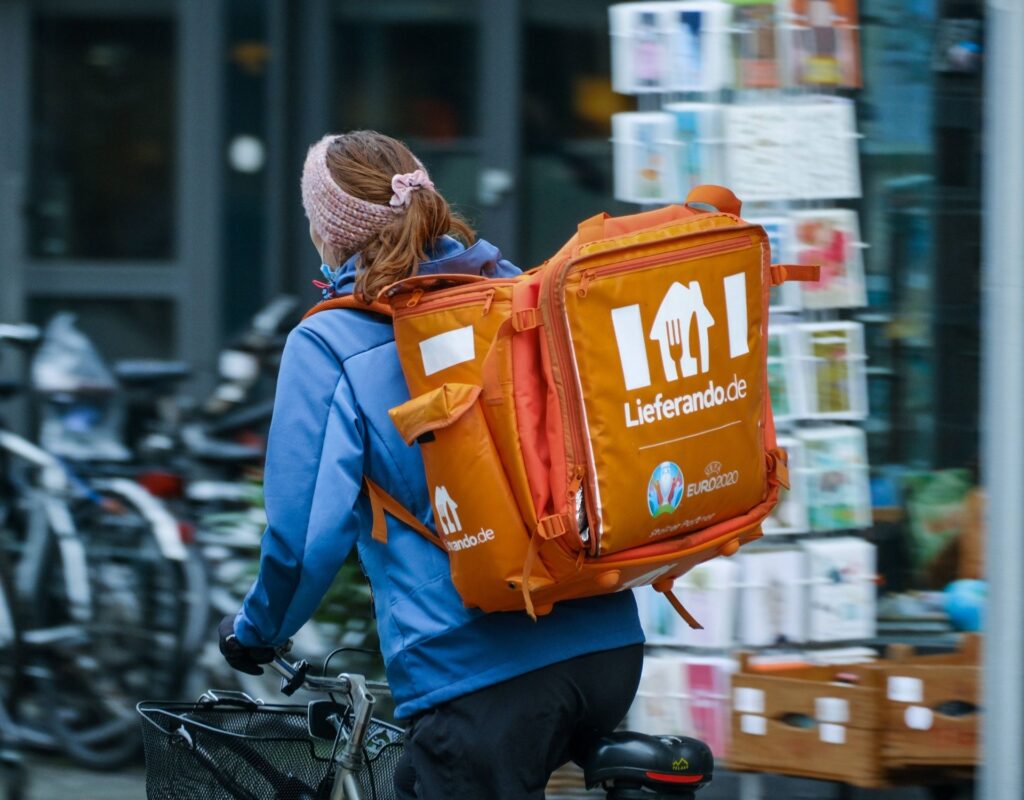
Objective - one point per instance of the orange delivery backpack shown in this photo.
(601, 422)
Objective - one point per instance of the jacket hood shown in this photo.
(448, 256)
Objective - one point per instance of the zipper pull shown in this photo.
(584, 283)
(487, 302)
(575, 483)
(415, 299)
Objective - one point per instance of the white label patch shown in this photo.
(748, 701)
(755, 726)
(906, 690)
(448, 349)
(832, 734)
(919, 718)
(832, 709)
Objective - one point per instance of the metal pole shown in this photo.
(500, 183)
(15, 38)
(200, 185)
(1002, 770)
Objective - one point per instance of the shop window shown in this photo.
(103, 116)
(567, 107)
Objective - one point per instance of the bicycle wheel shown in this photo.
(129, 643)
(10, 640)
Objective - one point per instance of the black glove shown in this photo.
(244, 659)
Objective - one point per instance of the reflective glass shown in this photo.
(103, 111)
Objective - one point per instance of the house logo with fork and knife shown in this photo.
(682, 308)
(682, 311)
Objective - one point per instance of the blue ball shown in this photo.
(964, 602)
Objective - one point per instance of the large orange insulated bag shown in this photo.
(601, 422)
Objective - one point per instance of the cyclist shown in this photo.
(493, 703)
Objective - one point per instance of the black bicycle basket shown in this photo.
(242, 750)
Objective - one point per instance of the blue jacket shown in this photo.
(339, 376)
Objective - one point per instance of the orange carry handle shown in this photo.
(781, 273)
(603, 226)
(717, 197)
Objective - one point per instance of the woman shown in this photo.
(494, 703)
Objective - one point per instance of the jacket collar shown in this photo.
(448, 256)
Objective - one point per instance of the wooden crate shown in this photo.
(931, 706)
(887, 723)
(799, 721)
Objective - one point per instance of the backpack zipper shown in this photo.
(725, 246)
(422, 303)
(578, 455)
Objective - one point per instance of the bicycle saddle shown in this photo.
(147, 372)
(637, 766)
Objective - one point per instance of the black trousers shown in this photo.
(503, 742)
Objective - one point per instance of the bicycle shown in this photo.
(104, 589)
(229, 746)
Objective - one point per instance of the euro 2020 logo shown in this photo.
(665, 491)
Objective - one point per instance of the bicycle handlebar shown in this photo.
(296, 676)
(358, 690)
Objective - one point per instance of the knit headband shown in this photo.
(345, 222)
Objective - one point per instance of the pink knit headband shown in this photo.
(345, 222)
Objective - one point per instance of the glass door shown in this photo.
(114, 168)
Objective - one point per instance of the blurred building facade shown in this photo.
(150, 153)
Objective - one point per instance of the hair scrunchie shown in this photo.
(404, 185)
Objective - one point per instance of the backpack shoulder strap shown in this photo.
(382, 503)
(350, 301)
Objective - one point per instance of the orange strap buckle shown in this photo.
(552, 527)
(526, 319)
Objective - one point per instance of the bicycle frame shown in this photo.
(360, 692)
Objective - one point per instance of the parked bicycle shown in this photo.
(107, 597)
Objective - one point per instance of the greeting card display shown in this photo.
(685, 694)
(646, 169)
(824, 154)
(758, 161)
(804, 150)
(823, 44)
(831, 239)
(842, 589)
(773, 598)
(660, 704)
(790, 515)
(661, 624)
(700, 149)
(835, 381)
(669, 47)
(755, 43)
(708, 682)
(835, 475)
(785, 298)
(709, 592)
(785, 381)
